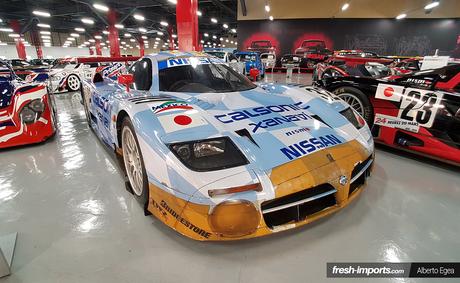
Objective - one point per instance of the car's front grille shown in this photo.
(359, 174)
(297, 206)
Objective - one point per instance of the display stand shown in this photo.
(7, 246)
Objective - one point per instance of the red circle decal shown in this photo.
(182, 120)
(388, 92)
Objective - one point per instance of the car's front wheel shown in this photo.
(358, 101)
(73, 83)
(134, 163)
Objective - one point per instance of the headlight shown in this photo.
(208, 155)
(354, 118)
(32, 111)
(234, 218)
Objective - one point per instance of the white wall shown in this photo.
(9, 52)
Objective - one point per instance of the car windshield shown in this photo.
(220, 55)
(62, 65)
(202, 78)
(258, 44)
(246, 57)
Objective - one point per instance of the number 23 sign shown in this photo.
(420, 106)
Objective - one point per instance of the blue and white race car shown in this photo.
(216, 157)
(252, 61)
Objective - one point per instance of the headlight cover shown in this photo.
(209, 155)
(32, 111)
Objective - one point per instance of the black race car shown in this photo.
(419, 112)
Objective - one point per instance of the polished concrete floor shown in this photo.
(77, 223)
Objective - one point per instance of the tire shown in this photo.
(358, 100)
(132, 155)
(73, 83)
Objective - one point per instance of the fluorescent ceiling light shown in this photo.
(132, 40)
(160, 33)
(105, 32)
(142, 30)
(402, 16)
(6, 29)
(345, 6)
(225, 26)
(174, 36)
(270, 18)
(46, 36)
(206, 34)
(233, 30)
(87, 21)
(432, 5)
(45, 32)
(214, 36)
(98, 37)
(267, 8)
(214, 20)
(80, 29)
(165, 24)
(199, 13)
(127, 35)
(91, 40)
(43, 25)
(101, 7)
(71, 38)
(41, 13)
(13, 35)
(144, 37)
(139, 17)
(119, 26)
(74, 35)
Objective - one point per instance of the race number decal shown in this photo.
(420, 106)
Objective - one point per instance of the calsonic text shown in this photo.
(308, 146)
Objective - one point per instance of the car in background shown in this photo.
(67, 74)
(229, 58)
(26, 110)
(42, 62)
(24, 68)
(268, 59)
(252, 60)
(291, 59)
(341, 69)
(217, 158)
(314, 51)
(261, 46)
(418, 112)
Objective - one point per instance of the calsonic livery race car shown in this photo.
(215, 157)
(68, 73)
(26, 111)
(419, 112)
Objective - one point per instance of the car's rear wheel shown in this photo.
(358, 101)
(73, 83)
(134, 163)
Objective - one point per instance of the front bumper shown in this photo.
(306, 189)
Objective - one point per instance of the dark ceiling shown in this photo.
(66, 15)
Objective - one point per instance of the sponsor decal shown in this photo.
(266, 110)
(309, 145)
(394, 122)
(193, 61)
(297, 131)
(389, 92)
(185, 222)
(171, 106)
(111, 70)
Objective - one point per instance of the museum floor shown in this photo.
(77, 223)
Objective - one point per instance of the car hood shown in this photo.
(271, 127)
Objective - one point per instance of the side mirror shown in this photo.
(126, 79)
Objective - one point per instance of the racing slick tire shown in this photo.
(73, 83)
(358, 101)
(133, 163)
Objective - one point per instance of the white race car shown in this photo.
(216, 157)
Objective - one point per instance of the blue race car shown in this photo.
(252, 60)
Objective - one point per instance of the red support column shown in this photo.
(20, 48)
(98, 47)
(36, 42)
(141, 47)
(113, 35)
(187, 24)
(91, 50)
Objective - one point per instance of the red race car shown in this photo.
(314, 51)
(26, 110)
(419, 112)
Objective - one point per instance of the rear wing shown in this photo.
(117, 67)
(106, 59)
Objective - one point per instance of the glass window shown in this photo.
(142, 73)
(203, 78)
